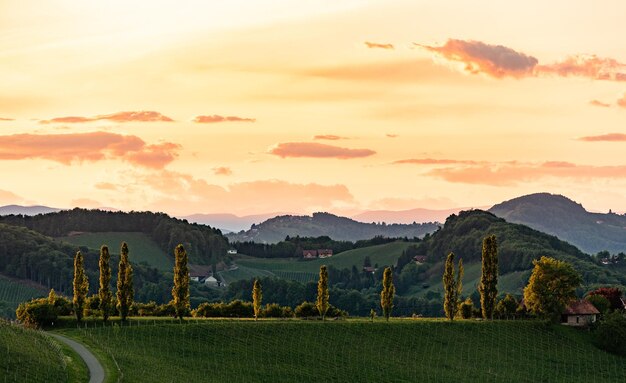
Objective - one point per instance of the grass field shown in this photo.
(305, 271)
(30, 356)
(13, 293)
(141, 247)
(352, 351)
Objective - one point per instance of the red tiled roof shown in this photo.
(581, 307)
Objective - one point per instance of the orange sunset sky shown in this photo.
(298, 106)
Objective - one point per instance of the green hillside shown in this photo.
(353, 351)
(305, 271)
(142, 247)
(13, 292)
(30, 356)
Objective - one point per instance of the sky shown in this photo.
(250, 107)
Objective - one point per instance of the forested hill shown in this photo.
(518, 245)
(568, 220)
(205, 245)
(325, 224)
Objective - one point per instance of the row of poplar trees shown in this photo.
(124, 292)
(488, 286)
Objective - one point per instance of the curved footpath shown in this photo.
(96, 372)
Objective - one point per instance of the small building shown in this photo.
(369, 269)
(325, 253)
(232, 251)
(580, 313)
(309, 254)
(211, 281)
(420, 259)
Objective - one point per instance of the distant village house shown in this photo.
(309, 254)
(325, 253)
(420, 259)
(232, 251)
(369, 269)
(319, 253)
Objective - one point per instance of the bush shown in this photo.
(92, 306)
(611, 333)
(234, 309)
(506, 308)
(600, 302)
(466, 309)
(36, 313)
(274, 310)
(308, 309)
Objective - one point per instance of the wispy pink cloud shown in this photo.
(599, 103)
(500, 61)
(611, 137)
(378, 45)
(80, 147)
(222, 171)
(316, 150)
(6, 119)
(389, 135)
(216, 118)
(622, 102)
(432, 161)
(140, 116)
(330, 137)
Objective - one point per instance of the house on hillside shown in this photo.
(232, 251)
(212, 281)
(325, 253)
(369, 269)
(420, 259)
(579, 313)
(309, 254)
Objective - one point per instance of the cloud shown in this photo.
(513, 173)
(93, 146)
(378, 45)
(432, 161)
(589, 66)
(315, 150)
(622, 102)
(499, 61)
(611, 137)
(222, 171)
(6, 119)
(185, 194)
(106, 186)
(495, 60)
(216, 118)
(599, 103)
(330, 137)
(389, 135)
(141, 116)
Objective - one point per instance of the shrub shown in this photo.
(274, 310)
(308, 309)
(506, 307)
(611, 333)
(466, 309)
(36, 313)
(92, 306)
(234, 309)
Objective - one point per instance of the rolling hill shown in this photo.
(406, 216)
(568, 220)
(326, 224)
(26, 210)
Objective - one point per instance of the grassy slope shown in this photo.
(14, 292)
(353, 351)
(29, 356)
(303, 271)
(142, 248)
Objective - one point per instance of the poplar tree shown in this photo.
(81, 286)
(386, 296)
(488, 286)
(125, 291)
(105, 282)
(322, 292)
(452, 287)
(180, 291)
(257, 296)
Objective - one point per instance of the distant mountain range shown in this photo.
(26, 210)
(418, 215)
(319, 224)
(229, 222)
(568, 220)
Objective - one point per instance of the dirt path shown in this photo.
(96, 372)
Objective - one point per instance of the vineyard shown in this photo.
(351, 351)
(13, 293)
(30, 356)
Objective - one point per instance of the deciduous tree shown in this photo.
(125, 290)
(386, 296)
(180, 291)
(257, 296)
(105, 282)
(322, 292)
(488, 286)
(81, 286)
(551, 287)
